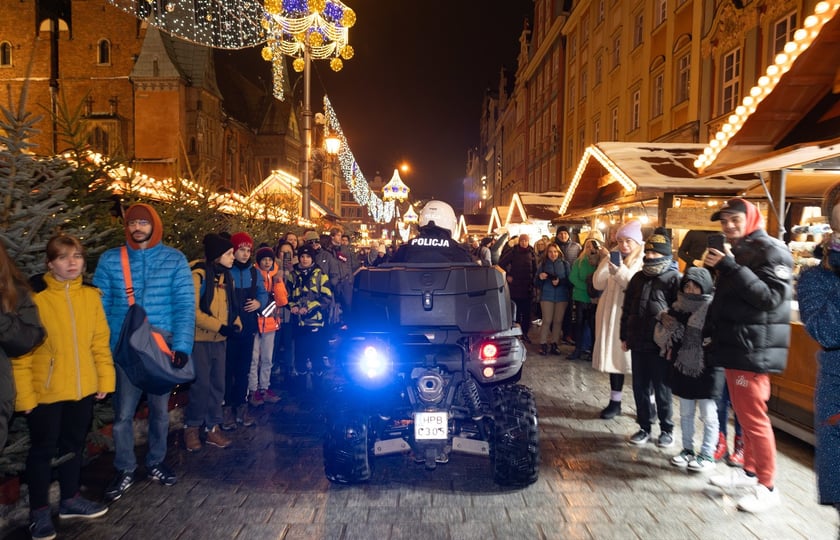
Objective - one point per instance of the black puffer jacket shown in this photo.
(749, 319)
(433, 245)
(645, 298)
(521, 265)
(20, 332)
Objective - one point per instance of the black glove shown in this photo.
(180, 360)
(226, 330)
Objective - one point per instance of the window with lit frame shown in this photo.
(783, 30)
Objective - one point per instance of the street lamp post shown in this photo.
(317, 29)
(395, 191)
(332, 145)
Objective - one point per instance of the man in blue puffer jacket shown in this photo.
(163, 286)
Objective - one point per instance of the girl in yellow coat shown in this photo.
(58, 381)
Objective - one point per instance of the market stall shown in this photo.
(788, 129)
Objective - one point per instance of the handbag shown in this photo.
(142, 351)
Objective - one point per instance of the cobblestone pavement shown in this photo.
(593, 484)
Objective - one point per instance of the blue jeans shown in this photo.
(708, 415)
(126, 399)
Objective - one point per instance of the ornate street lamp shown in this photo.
(395, 192)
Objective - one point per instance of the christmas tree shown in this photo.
(39, 196)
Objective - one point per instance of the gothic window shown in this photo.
(99, 140)
(5, 54)
(103, 52)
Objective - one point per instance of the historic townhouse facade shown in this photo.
(626, 70)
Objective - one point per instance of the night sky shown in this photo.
(413, 91)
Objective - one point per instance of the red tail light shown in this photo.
(488, 352)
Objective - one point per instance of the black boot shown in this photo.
(543, 349)
(612, 410)
(555, 349)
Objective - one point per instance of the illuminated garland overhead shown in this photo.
(287, 27)
(381, 212)
(296, 27)
(222, 24)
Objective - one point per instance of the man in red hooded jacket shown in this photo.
(748, 324)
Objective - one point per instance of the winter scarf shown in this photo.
(670, 333)
(654, 267)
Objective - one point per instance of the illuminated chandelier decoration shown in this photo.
(319, 28)
(410, 217)
(352, 173)
(222, 24)
(287, 27)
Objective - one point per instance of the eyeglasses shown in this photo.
(139, 222)
(313, 242)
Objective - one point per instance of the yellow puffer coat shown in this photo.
(75, 360)
(207, 326)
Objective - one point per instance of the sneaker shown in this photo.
(244, 416)
(162, 473)
(192, 440)
(666, 440)
(640, 437)
(735, 478)
(119, 485)
(216, 438)
(702, 464)
(40, 524)
(721, 449)
(682, 459)
(79, 507)
(736, 458)
(760, 499)
(228, 419)
(612, 410)
(269, 396)
(256, 398)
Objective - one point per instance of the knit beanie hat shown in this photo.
(241, 238)
(632, 230)
(138, 211)
(306, 250)
(596, 235)
(659, 242)
(700, 276)
(215, 246)
(265, 252)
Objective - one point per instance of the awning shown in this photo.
(791, 118)
(615, 172)
(527, 207)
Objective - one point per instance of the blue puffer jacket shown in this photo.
(548, 292)
(162, 285)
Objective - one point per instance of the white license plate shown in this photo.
(431, 425)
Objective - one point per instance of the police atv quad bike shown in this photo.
(430, 364)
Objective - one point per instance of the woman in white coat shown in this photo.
(608, 355)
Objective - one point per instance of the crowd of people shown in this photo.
(711, 334)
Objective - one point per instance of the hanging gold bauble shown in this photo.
(274, 7)
(317, 5)
(266, 53)
(316, 39)
(298, 65)
(347, 52)
(299, 37)
(336, 64)
(264, 24)
(208, 18)
(348, 18)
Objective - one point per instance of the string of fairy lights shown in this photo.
(319, 28)
(294, 28)
(380, 210)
